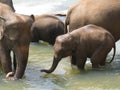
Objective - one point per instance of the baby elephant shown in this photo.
(88, 41)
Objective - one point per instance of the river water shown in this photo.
(64, 77)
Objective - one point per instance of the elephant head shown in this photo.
(8, 29)
(64, 46)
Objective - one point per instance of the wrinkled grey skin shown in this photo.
(14, 36)
(88, 41)
(9, 3)
(104, 13)
(47, 28)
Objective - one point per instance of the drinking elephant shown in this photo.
(88, 41)
(9, 3)
(14, 36)
(47, 28)
(104, 13)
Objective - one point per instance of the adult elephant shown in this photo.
(47, 28)
(104, 13)
(88, 41)
(14, 36)
(9, 3)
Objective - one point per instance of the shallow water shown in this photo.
(64, 77)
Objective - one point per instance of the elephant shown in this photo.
(15, 37)
(9, 3)
(46, 27)
(103, 13)
(89, 41)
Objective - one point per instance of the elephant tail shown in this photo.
(114, 47)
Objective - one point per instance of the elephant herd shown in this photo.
(91, 29)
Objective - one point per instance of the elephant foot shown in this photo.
(10, 76)
(102, 64)
(46, 71)
(95, 66)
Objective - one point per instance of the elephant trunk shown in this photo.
(53, 67)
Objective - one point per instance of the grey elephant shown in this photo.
(14, 37)
(104, 13)
(89, 41)
(47, 28)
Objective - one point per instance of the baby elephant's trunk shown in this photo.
(53, 67)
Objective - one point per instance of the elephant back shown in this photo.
(104, 13)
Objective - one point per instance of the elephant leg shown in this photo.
(51, 40)
(81, 63)
(21, 56)
(6, 61)
(104, 56)
(73, 60)
(99, 56)
(81, 60)
(14, 61)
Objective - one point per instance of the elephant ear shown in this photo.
(33, 17)
(2, 26)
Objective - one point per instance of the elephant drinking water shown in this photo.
(89, 41)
